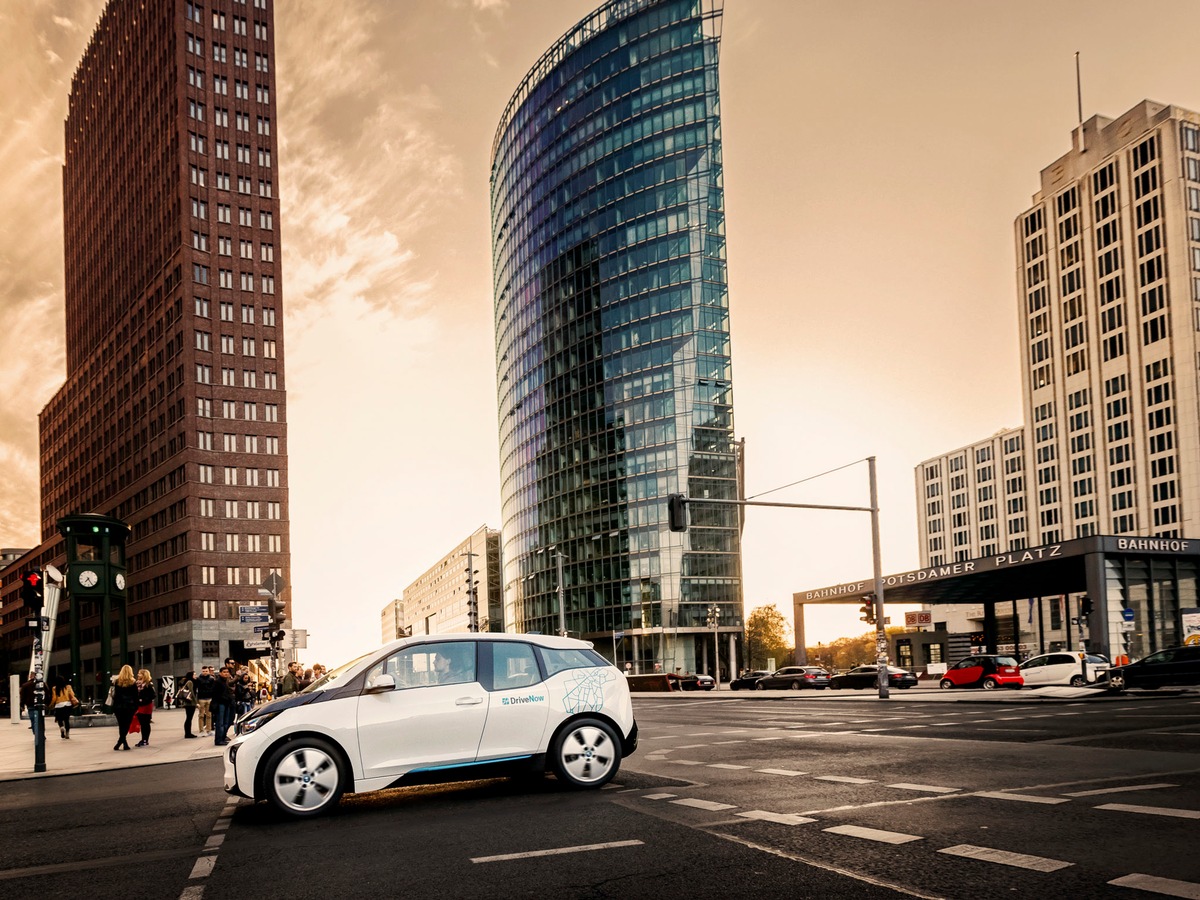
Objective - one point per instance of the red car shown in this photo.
(986, 670)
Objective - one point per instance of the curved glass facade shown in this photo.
(612, 338)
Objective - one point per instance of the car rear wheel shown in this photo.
(586, 754)
(1077, 681)
(1116, 682)
(945, 684)
(835, 685)
(304, 777)
(795, 685)
(990, 684)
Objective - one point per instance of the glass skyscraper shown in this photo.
(614, 382)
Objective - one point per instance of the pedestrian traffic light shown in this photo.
(868, 609)
(677, 517)
(31, 590)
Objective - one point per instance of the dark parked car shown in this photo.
(746, 680)
(868, 677)
(795, 678)
(986, 670)
(1173, 666)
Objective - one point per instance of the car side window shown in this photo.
(513, 666)
(555, 660)
(451, 662)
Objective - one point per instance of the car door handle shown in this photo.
(468, 701)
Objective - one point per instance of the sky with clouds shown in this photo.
(876, 155)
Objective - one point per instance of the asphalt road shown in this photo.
(727, 796)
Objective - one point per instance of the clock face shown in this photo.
(120, 579)
(88, 578)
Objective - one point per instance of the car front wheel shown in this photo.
(795, 685)
(945, 684)
(989, 684)
(586, 754)
(1077, 681)
(304, 777)
(1116, 682)
(759, 686)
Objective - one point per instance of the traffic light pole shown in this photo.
(677, 517)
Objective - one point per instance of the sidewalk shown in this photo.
(91, 749)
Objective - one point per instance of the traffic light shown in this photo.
(868, 609)
(275, 609)
(1085, 607)
(31, 590)
(677, 517)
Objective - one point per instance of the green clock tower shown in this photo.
(96, 573)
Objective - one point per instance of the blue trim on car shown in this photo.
(478, 762)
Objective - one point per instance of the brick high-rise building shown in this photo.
(173, 414)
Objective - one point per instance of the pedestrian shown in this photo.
(125, 703)
(291, 681)
(206, 689)
(244, 694)
(187, 696)
(306, 679)
(145, 709)
(29, 703)
(222, 705)
(63, 701)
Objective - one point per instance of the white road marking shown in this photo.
(780, 772)
(845, 779)
(582, 848)
(710, 805)
(776, 738)
(203, 867)
(214, 842)
(195, 892)
(1152, 810)
(659, 796)
(1005, 858)
(929, 788)
(1167, 886)
(1024, 798)
(686, 762)
(737, 741)
(725, 766)
(777, 818)
(874, 834)
(1120, 790)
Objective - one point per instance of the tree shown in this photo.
(847, 652)
(768, 636)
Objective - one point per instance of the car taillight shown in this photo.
(809, 677)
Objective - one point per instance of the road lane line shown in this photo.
(686, 762)
(1023, 798)
(780, 772)
(203, 867)
(874, 834)
(719, 743)
(1167, 886)
(195, 892)
(659, 796)
(214, 842)
(1120, 790)
(1152, 810)
(725, 766)
(777, 818)
(844, 779)
(582, 848)
(929, 788)
(1005, 858)
(710, 805)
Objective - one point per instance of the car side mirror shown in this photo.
(380, 684)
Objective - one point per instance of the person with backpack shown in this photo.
(63, 701)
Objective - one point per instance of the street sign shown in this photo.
(617, 635)
(255, 645)
(253, 609)
(922, 618)
(248, 620)
(1127, 614)
(273, 583)
(262, 628)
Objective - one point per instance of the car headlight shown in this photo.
(253, 723)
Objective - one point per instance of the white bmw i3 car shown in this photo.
(437, 708)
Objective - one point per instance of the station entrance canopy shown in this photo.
(1156, 577)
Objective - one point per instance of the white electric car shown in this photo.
(437, 708)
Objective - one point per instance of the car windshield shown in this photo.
(334, 674)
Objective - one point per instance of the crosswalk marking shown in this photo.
(1152, 810)
(1120, 790)
(780, 772)
(659, 796)
(1167, 886)
(583, 848)
(930, 788)
(874, 834)
(710, 805)
(846, 779)
(1005, 858)
(725, 766)
(777, 818)
(1024, 798)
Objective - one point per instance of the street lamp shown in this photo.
(472, 596)
(562, 609)
(714, 619)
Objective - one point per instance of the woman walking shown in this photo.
(63, 701)
(145, 707)
(125, 703)
(188, 695)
